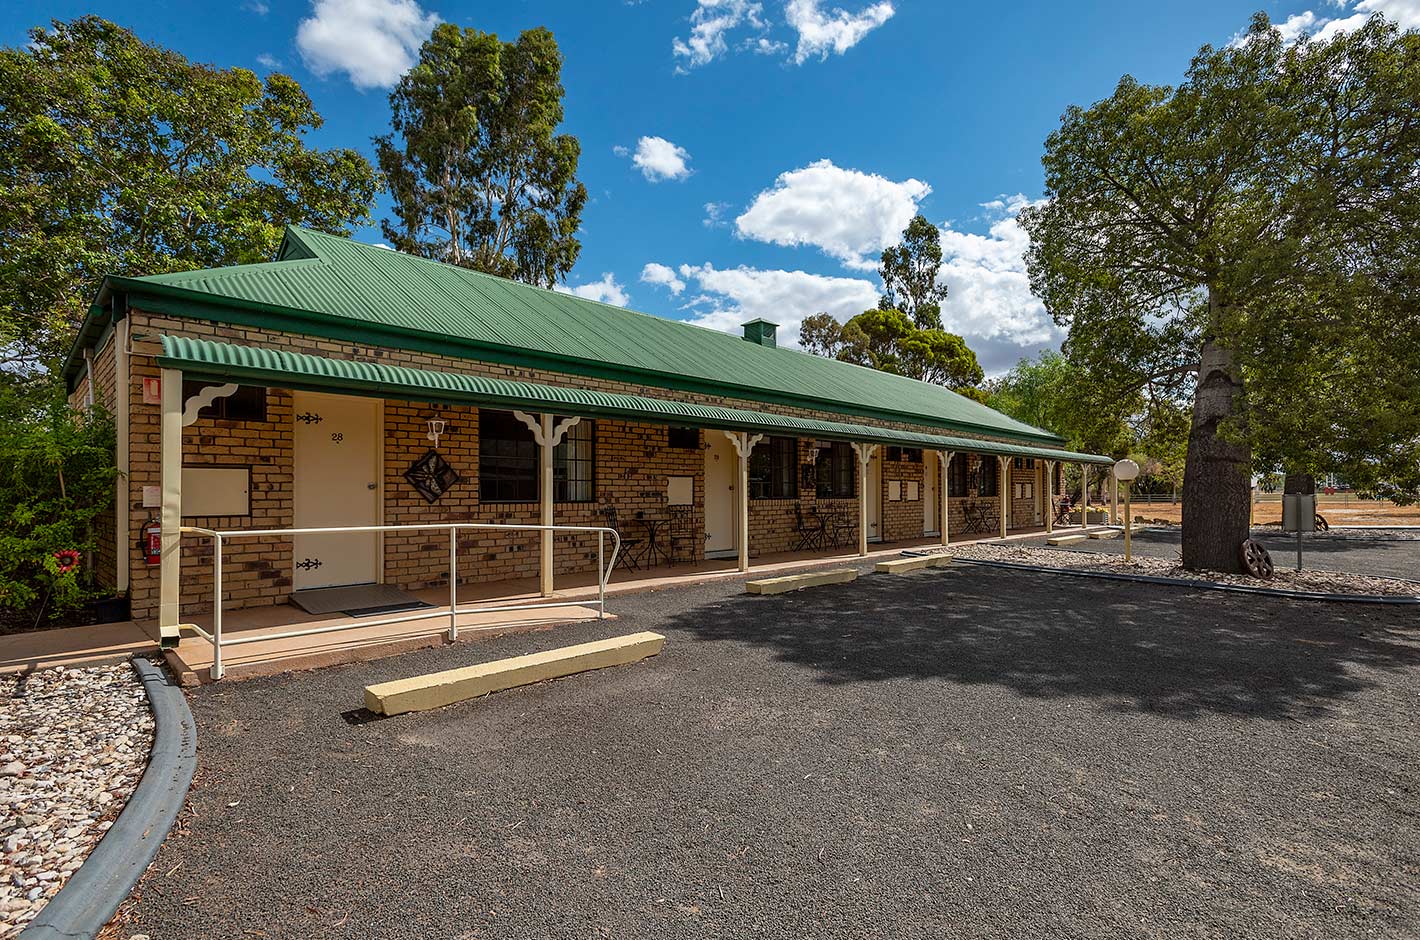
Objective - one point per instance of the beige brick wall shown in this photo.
(633, 464)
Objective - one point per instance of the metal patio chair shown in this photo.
(629, 546)
(810, 533)
(681, 534)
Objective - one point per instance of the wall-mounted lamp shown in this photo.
(436, 430)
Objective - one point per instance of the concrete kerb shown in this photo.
(1202, 585)
(93, 893)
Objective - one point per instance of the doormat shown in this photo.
(412, 604)
(358, 600)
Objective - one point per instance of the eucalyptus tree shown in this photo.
(1246, 238)
(479, 175)
(909, 271)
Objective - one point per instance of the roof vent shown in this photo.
(761, 332)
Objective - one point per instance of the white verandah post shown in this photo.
(865, 456)
(1005, 492)
(1113, 498)
(1049, 496)
(547, 437)
(1084, 496)
(744, 446)
(544, 460)
(944, 457)
(169, 573)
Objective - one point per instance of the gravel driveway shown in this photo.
(1364, 551)
(963, 752)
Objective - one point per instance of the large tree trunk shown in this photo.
(1217, 482)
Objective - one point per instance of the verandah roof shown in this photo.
(251, 365)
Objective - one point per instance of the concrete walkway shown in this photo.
(192, 660)
(73, 646)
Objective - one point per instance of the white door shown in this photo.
(873, 493)
(721, 469)
(931, 481)
(336, 484)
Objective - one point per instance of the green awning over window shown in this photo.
(251, 365)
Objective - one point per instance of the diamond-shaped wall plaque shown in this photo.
(432, 476)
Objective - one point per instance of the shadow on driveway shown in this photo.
(1149, 648)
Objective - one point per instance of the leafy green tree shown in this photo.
(887, 340)
(1050, 391)
(1247, 237)
(56, 485)
(909, 272)
(118, 156)
(480, 178)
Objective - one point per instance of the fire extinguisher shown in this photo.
(152, 541)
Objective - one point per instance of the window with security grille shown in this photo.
(574, 463)
(247, 403)
(834, 471)
(507, 459)
(958, 480)
(986, 480)
(771, 468)
(683, 438)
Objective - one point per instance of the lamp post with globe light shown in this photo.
(1126, 471)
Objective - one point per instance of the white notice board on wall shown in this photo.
(216, 491)
(680, 491)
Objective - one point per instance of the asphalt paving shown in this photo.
(964, 752)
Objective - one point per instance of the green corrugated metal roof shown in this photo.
(204, 359)
(382, 297)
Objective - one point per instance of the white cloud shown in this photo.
(658, 159)
(850, 215)
(818, 31)
(258, 7)
(834, 31)
(664, 275)
(372, 41)
(715, 214)
(267, 60)
(607, 290)
(988, 291)
(1404, 13)
(729, 297)
(709, 24)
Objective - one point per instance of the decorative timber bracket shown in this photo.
(558, 432)
(864, 451)
(744, 441)
(204, 398)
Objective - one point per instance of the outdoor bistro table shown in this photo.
(654, 548)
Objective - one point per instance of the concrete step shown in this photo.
(795, 582)
(437, 689)
(912, 563)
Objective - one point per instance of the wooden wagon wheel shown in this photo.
(1255, 559)
(1321, 524)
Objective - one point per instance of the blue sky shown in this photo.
(750, 158)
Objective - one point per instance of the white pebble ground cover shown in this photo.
(1285, 579)
(73, 745)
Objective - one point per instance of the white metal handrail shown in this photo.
(604, 569)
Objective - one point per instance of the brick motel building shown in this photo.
(347, 385)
